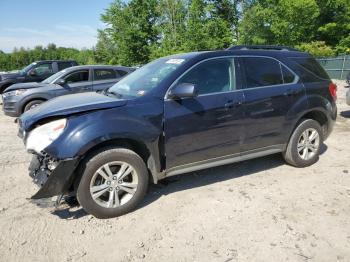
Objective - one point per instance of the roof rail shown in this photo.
(261, 47)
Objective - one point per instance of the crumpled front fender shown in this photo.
(55, 182)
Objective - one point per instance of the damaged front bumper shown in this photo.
(54, 177)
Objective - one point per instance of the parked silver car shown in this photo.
(21, 97)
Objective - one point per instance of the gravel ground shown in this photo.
(257, 210)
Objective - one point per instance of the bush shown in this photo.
(317, 49)
(343, 48)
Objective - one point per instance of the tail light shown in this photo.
(333, 90)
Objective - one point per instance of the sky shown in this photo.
(67, 23)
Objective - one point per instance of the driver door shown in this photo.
(40, 73)
(209, 126)
(78, 81)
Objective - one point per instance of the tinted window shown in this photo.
(310, 69)
(288, 76)
(121, 73)
(104, 74)
(43, 69)
(80, 76)
(211, 76)
(260, 71)
(63, 65)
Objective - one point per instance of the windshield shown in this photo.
(53, 78)
(146, 78)
(27, 68)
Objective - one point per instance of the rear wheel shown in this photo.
(113, 183)
(304, 145)
(32, 104)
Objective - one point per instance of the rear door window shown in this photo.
(261, 71)
(104, 74)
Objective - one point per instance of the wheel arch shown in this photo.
(31, 100)
(319, 115)
(139, 147)
(316, 115)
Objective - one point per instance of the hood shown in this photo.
(9, 76)
(67, 105)
(26, 86)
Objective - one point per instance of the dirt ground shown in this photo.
(257, 210)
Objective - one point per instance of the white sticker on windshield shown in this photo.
(141, 92)
(175, 61)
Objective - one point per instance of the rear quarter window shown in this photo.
(309, 69)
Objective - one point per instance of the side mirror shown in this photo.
(61, 82)
(32, 72)
(182, 91)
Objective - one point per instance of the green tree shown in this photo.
(105, 50)
(171, 27)
(281, 22)
(231, 12)
(21, 57)
(319, 25)
(206, 30)
(132, 27)
(317, 49)
(334, 21)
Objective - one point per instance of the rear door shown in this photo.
(79, 81)
(209, 125)
(270, 91)
(104, 78)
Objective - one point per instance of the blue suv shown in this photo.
(176, 115)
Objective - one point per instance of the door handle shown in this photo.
(231, 104)
(291, 92)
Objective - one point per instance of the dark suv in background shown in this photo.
(35, 72)
(175, 115)
(22, 97)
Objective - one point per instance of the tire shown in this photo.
(122, 202)
(32, 104)
(309, 151)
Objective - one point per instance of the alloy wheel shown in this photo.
(33, 106)
(308, 144)
(114, 184)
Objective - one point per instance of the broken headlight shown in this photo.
(42, 136)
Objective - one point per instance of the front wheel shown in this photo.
(114, 182)
(304, 145)
(32, 104)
